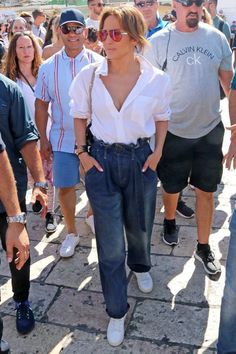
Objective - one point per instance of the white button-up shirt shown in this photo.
(54, 79)
(147, 102)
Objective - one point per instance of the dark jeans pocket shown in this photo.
(91, 170)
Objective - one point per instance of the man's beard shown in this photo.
(192, 22)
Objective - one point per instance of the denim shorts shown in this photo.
(65, 169)
(197, 161)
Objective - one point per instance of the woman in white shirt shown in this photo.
(130, 102)
(21, 65)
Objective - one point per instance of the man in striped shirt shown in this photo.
(54, 79)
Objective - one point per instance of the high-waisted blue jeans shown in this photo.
(122, 197)
(227, 332)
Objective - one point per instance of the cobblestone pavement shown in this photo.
(181, 315)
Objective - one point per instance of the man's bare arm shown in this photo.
(230, 158)
(41, 120)
(225, 80)
(33, 161)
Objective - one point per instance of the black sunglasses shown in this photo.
(188, 3)
(143, 4)
(67, 29)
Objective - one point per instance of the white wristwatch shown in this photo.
(20, 218)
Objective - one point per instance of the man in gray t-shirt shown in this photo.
(196, 56)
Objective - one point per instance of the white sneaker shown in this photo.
(4, 346)
(90, 222)
(144, 281)
(116, 331)
(68, 245)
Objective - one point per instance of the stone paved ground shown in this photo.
(181, 315)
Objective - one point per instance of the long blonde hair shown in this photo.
(10, 62)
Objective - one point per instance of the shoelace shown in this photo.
(50, 219)
(170, 227)
(181, 204)
(23, 312)
(210, 257)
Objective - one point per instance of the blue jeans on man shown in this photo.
(227, 331)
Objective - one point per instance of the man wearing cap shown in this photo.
(149, 10)
(54, 79)
(37, 27)
(195, 56)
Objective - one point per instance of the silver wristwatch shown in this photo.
(20, 218)
(42, 185)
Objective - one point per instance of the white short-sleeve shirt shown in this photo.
(146, 103)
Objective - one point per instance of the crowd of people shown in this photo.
(123, 97)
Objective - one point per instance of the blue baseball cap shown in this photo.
(72, 15)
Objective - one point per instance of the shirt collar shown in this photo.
(66, 57)
(160, 24)
(102, 67)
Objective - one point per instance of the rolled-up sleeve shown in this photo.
(162, 110)
(79, 93)
(22, 125)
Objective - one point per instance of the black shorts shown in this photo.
(195, 161)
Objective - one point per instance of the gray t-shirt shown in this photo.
(193, 62)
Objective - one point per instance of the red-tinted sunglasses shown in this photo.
(115, 34)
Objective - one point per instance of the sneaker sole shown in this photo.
(170, 244)
(206, 270)
(50, 231)
(115, 344)
(25, 332)
(145, 291)
(184, 216)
